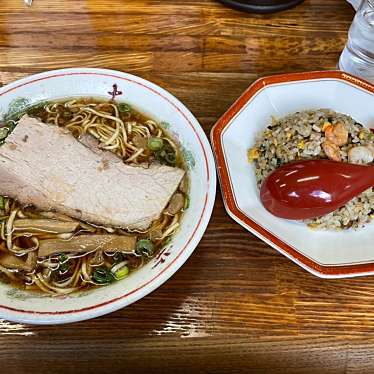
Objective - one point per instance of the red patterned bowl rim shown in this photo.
(232, 208)
(199, 227)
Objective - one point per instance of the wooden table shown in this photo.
(236, 305)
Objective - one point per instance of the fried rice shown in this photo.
(303, 135)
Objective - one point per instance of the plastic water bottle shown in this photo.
(358, 55)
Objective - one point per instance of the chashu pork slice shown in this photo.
(46, 166)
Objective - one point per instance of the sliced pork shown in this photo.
(44, 165)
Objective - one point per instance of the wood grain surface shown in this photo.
(236, 306)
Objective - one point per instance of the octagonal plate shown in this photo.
(323, 253)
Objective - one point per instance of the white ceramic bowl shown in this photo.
(325, 254)
(17, 305)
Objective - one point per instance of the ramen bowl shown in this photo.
(20, 305)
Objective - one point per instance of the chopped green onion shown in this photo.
(171, 158)
(34, 110)
(118, 257)
(167, 240)
(120, 271)
(2, 202)
(63, 268)
(64, 263)
(102, 276)
(166, 155)
(155, 143)
(3, 132)
(62, 258)
(144, 247)
(124, 108)
(186, 202)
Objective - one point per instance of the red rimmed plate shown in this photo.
(325, 254)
